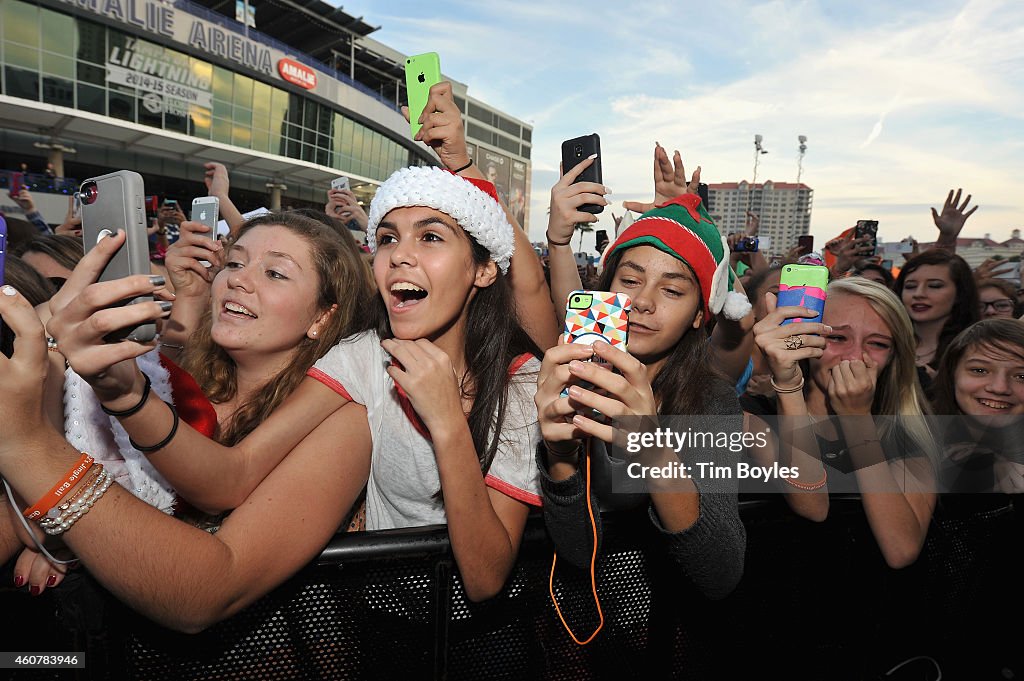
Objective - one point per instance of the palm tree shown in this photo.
(582, 227)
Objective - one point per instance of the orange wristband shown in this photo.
(53, 497)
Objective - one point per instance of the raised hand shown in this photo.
(992, 267)
(23, 374)
(85, 312)
(442, 129)
(566, 197)
(216, 179)
(785, 346)
(343, 204)
(189, 277)
(72, 224)
(669, 180)
(952, 218)
(627, 393)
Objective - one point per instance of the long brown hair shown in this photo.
(344, 280)
(494, 338)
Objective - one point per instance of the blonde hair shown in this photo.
(898, 392)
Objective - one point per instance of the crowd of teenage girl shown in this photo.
(300, 387)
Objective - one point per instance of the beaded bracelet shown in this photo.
(88, 484)
(63, 523)
(808, 487)
(56, 493)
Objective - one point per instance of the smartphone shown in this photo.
(111, 202)
(601, 240)
(340, 183)
(805, 242)
(867, 228)
(702, 192)
(577, 150)
(746, 244)
(887, 265)
(1013, 274)
(152, 204)
(172, 203)
(592, 316)
(422, 72)
(206, 209)
(76, 205)
(803, 286)
(16, 185)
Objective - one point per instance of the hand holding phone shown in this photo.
(422, 71)
(803, 286)
(111, 202)
(867, 229)
(592, 316)
(574, 152)
(5, 341)
(206, 211)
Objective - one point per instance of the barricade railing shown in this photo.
(816, 601)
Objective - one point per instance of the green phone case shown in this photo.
(421, 72)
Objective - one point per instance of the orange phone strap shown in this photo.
(593, 561)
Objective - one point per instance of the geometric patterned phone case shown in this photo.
(597, 315)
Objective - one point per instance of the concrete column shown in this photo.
(56, 157)
(275, 194)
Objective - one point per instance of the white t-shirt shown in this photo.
(403, 471)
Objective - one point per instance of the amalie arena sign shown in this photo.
(163, 18)
(297, 74)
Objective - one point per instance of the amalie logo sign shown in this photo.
(297, 74)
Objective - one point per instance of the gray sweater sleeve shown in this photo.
(566, 516)
(709, 552)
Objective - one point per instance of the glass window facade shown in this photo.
(60, 59)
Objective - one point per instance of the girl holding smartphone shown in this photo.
(673, 264)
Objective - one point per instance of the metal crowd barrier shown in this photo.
(816, 602)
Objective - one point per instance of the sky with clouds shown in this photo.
(900, 101)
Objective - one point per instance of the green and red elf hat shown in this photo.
(682, 228)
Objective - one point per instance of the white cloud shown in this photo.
(900, 102)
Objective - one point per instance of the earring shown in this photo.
(315, 333)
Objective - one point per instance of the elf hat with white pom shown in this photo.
(682, 228)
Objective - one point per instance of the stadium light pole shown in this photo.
(758, 151)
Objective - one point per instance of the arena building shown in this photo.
(289, 99)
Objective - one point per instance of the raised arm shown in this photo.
(563, 215)
(443, 131)
(950, 222)
(784, 347)
(217, 184)
(171, 572)
(209, 475)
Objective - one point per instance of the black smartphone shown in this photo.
(702, 192)
(806, 243)
(867, 228)
(601, 240)
(577, 150)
